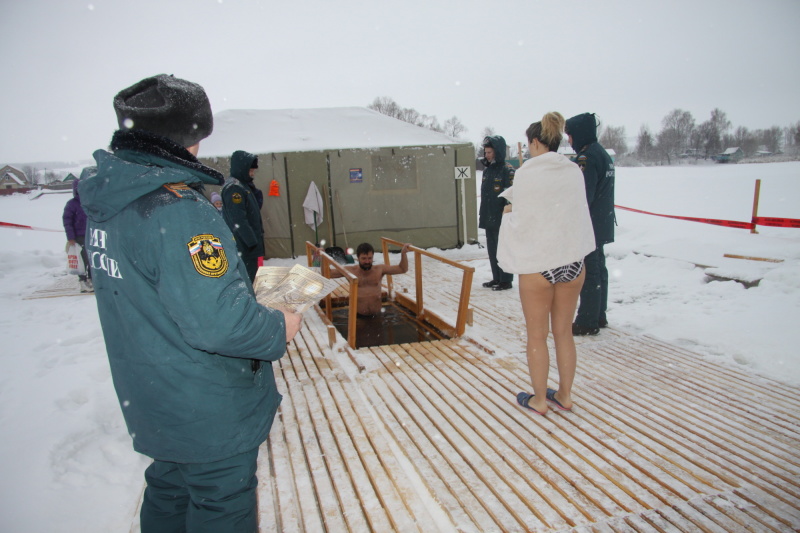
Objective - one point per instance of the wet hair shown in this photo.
(548, 131)
(364, 248)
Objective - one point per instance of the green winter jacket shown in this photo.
(181, 323)
(598, 175)
(497, 177)
(240, 206)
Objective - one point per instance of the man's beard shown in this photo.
(365, 267)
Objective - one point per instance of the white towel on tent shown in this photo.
(313, 204)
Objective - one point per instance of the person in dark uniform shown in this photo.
(242, 209)
(497, 177)
(598, 176)
(188, 344)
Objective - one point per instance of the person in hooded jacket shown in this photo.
(598, 176)
(497, 177)
(74, 220)
(242, 209)
(190, 348)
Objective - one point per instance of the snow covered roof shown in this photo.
(263, 131)
(566, 150)
(9, 175)
(731, 150)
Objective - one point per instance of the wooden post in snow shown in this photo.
(519, 147)
(755, 205)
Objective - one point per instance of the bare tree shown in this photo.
(645, 144)
(771, 138)
(720, 120)
(746, 140)
(386, 106)
(614, 138)
(678, 125)
(30, 173)
(669, 143)
(453, 127)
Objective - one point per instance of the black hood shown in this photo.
(583, 130)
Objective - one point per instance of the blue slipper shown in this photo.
(551, 397)
(523, 398)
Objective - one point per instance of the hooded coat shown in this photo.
(74, 218)
(241, 209)
(180, 318)
(598, 175)
(497, 177)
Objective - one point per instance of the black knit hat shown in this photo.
(166, 106)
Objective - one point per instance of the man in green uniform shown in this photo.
(189, 347)
(242, 210)
(598, 176)
(497, 177)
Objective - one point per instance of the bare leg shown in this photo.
(536, 295)
(565, 301)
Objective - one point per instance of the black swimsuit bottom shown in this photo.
(564, 274)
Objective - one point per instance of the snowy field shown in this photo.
(67, 461)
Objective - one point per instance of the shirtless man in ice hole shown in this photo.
(369, 278)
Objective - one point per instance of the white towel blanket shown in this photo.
(549, 225)
(313, 204)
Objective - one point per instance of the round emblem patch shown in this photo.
(208, 255)
(236, 198)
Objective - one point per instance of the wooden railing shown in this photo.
(325, 260)
(418, 306)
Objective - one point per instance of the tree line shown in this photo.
(680, 137)
(452, 127)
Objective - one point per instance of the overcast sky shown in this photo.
(500, 64)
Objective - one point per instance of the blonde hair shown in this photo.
(548, 131)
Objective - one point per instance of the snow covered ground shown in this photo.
(65, 455)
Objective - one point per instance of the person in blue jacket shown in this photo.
(190, 349)
(598, 176)
(242, 209)
(497, 177)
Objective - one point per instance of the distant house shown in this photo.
(12, 178)
(64, 183)
(731, 155)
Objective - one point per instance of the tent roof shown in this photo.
(261, 131)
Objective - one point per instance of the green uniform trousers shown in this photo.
(218, 497)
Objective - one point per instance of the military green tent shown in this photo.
(377, 176)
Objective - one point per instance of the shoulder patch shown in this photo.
(581, 161)
(236, 198)
(208, 255)
(175, 187)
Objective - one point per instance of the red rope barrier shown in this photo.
(757, 221)
(777, 222)
(20, 226)
(716, 222)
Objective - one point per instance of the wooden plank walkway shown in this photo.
(428, 436)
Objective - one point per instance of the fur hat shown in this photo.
(166, 106)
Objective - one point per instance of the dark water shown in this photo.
(395, 325)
